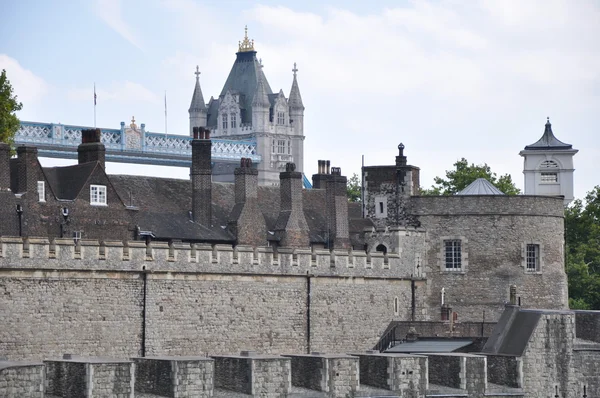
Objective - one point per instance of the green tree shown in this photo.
(353, 187)
(582, 237)
(463, 174)
(9, 123)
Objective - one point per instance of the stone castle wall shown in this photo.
(494, 231)
(120, 299)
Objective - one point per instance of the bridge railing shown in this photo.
(127, 141)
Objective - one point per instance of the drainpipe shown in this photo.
(308, 286)
(145, 280)
(413, 304)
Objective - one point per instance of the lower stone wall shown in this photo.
(587, 369)
(23, 381)
(102, 313)
(503, 370)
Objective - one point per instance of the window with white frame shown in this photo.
(98, 195)
(224, 120)
(453, 254)
(281, 146)
(41, 190)
(532, 257)
(281, 118)
(549, 177)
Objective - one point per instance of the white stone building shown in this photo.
(247, 109)
(548, 166)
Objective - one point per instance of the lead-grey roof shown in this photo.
(480, 186)
(548, 141)
(437, 345)
(197, 98)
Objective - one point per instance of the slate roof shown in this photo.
(433, 345)
(197, 99)
(243, 79)
(164, 206)
(67, 181)
(480, 186)
(548, 141)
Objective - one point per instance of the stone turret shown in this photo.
(198, 111)
(246, 220)
(200, 173)
(260, 107)
(91, 149)
(548, 166)
(291, 226)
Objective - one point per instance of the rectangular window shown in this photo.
(274, 146)
(233, 120)
(549, 177)
(41, 189)
(97, 195)
(289, 147)
(381, 207)
(533, 257)
(224, 119)
(453, 254)
(281, 146)
(281, 118)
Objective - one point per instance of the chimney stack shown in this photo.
(27, 167)
(201, 176)
(246, 221)
(337, 209)
(4, 167)
(320, 179)
(291, 226)
(91, 148)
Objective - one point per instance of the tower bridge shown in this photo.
(131, 144)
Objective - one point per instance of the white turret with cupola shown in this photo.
(247, 109)
(548, 166)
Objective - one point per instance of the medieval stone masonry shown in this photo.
(123, 286)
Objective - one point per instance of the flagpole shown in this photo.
(165, 113)
(94, 104)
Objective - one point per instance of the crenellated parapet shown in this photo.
(94, 255)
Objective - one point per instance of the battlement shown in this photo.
(57, 254)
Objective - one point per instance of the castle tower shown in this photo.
(548, 166)
(247, 109)
(198, 110)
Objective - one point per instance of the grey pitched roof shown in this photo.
(548, 141)
(261, 97)
(197, 99)
(243, 79)
(66, 182)
(480, 186)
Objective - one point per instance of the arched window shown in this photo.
(381, 248)
(549, 164)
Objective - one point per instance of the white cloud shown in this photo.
(110, 12)
(126, 92)
(27, 86)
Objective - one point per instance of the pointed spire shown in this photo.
(261, 99)
(295, 97)
(197, 104)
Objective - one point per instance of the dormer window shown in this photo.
(41, 190)
(224, 119)
(98, 195)
(281, 118)
(233, 120)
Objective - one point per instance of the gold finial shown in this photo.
(246, 45)
(133, 125)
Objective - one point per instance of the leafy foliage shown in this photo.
(353, 187)
(463, 174)
(582, 236)
(9, 123)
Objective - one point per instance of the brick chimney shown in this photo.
(337, 209)
(246, 221)
(27, 168)
(91, 149)
(291, 226)
(320, 178)
(201, 176)
(4, 167)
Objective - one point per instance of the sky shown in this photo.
(448, 78)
